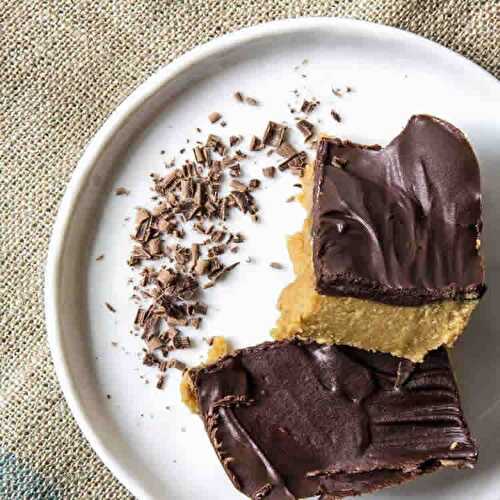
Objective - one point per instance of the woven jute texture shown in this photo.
(65, 65)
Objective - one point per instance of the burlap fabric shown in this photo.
(65, 65)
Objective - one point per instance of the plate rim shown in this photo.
(111, 125)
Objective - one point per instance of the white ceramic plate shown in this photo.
(145, 436)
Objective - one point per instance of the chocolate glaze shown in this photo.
(399, 224)
(293, 419)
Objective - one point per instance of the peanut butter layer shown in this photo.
(403, 331)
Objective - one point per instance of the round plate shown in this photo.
(148, 439)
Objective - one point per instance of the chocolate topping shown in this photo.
(399, 224)
(348, 423)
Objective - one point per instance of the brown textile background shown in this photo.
(65, 65)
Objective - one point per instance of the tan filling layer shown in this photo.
(219, 349)
(409, 332)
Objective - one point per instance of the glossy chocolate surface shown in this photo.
(293, 419)
(399, 224)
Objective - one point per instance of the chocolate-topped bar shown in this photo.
(293, 419)
(399, 224)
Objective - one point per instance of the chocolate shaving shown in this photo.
(256, 144)
(153, 247)
(150, 359)
(251, 101)
(234, 140)
(218, 235)
(308, 106)
(254, 184)
(238, 96)
(199, 154)
(238, 186)
(110, 307)
(274, 134)
(143, 225)
(165, 277)
(195, 322)
(195, 255)
(200, 308)
(175, 363)
(217, 250)
(296, 164)
(199, 195)
(269, 172)
(229, 161)
(214, 117)
(140, 317)
(171, 333)
(120, 191)
(154, 343)
(306, 129)
(235, 170)
(215, 143)
(160, 382)
(223, 272)
(286, 150)
(276, 265)
(241, 200)
(172, 321)
(181, 342)
(335, 116)
(240, 154)
(202, 267)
